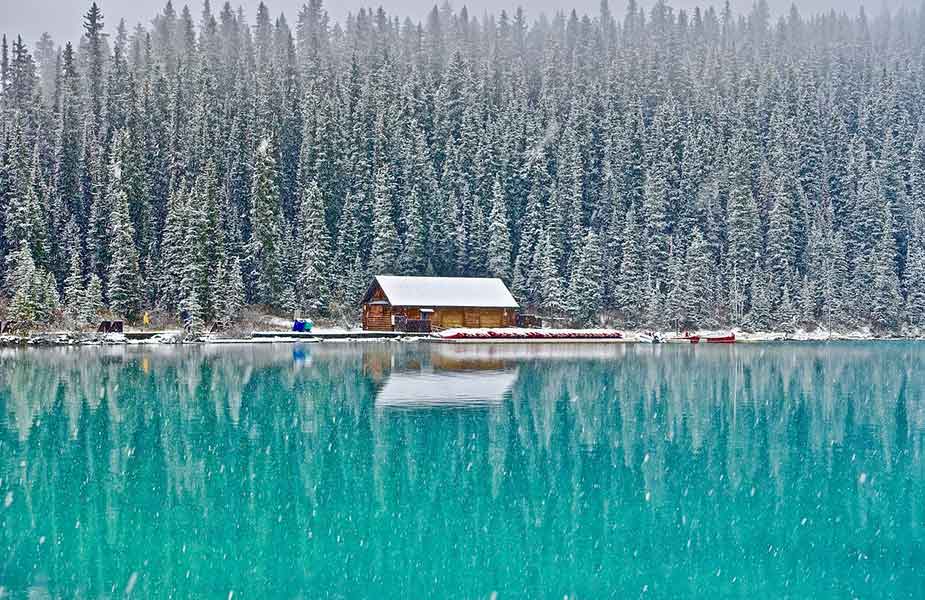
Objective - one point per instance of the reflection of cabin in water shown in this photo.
(428, 303)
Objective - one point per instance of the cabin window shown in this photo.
(375, 310)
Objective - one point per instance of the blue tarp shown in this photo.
(302, 326)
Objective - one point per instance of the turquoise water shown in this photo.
(416, 470)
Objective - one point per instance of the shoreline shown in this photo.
(166, 338)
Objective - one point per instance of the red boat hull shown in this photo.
(696, 339)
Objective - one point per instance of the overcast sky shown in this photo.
(61, 18)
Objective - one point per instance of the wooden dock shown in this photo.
(345, 335)
(147, 335)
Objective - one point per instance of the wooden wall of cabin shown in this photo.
(448, 318)
(377, 317)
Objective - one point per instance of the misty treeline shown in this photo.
(657, 168)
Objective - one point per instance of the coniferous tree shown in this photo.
(413, 258)
(74, 290)
(552, 285)
(27, 285)
(743, 232)
(264, 250)
(785, 318)
(885, 301)
(23, 220)
(631, 281)
(759, 317)
(678, 290)
(699, 269)
(836, 303)
(313, 242)
(499, 243)
(915, 283)
(92, 304)
(383, 259)
(586, 293)
(781, 246)
(124, 278)
(231, 301)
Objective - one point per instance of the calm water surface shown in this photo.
(415, 470)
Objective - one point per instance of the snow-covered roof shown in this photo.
(474, 292)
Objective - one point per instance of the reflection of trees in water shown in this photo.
(617, 466)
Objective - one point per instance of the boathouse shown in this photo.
(424, 304)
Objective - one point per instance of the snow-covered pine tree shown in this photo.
(231, 300)
(203, 246)
(98, 199)
(314, 244)
(289, 262)
(49, 300)
(654, 305)
(441, 249)
(759, 317)
(124, 279)
(413, 259)
(885, 300)
(676, 299)
(612, 249)
(586, 292)
(552, 292)
(806, 304)
(92, 305)
(786, 316)
(631, 288)
(173, 247)
(23, 216)
(782, 244)
(915, 284)
(478, 239)
(742, 232)
(383, 259)
(195, 276)
(865, 229)
(499, 241)
(519, 280)
(700, 271)
(264, 248)
(192, 311)
(655, 214)
(74, 290)
(25, 282)
(835, 299)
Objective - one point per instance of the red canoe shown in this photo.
(696, 339)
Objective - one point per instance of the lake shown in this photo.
(410, 470)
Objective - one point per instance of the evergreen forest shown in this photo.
(653, 168)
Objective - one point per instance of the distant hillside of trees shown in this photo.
(656, 168)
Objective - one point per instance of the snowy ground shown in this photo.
(606, 335)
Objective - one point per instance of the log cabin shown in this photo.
(424, 304)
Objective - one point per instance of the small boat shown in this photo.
(685, 339)
(696, 339)
(514, 334)
(723, 339)
(649, 338)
